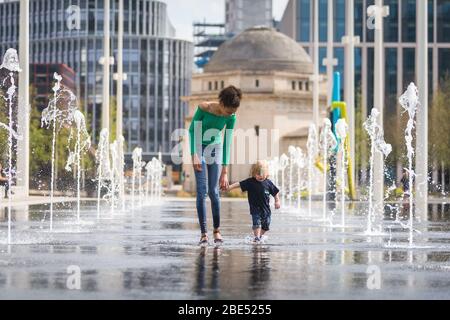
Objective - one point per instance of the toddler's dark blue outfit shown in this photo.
(259, 193)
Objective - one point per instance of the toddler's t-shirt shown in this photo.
(259, 193)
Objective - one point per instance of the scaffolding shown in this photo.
(207, 39)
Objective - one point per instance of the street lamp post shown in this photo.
(106, 61)
(422, 116)
(316, 78)
(330, 62)
(377, 13)
(23, 156)
(349, 74)
(120, 75)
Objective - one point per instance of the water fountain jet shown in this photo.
(409, 101)
(341, 132)
(376, 135)
(58, 114)
(311, 145)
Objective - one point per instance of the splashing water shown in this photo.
(82, 144)
(284, 161)
(137, 173)
(300, 163)
(376, 135)
(292, 154)
(120, 169)
(311, 145)
(114, 174)
(103, 165)
(11, 63)
(273, 169)
(409, 101)
(341, 132)
(328, 143)
(154, 170)
(59, 113)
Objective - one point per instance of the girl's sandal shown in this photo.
(204, 240)
(218, 241)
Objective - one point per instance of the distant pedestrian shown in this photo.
(405, 183)
(4, 181)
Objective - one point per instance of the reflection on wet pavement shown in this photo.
(152, 253)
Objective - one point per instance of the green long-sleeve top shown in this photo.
(212, 121)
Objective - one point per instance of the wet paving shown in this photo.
(152, 253)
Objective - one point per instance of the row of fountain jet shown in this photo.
(62, 112)
(297, 172)
(111, 177)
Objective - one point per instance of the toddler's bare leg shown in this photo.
(257, 232)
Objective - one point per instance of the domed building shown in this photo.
(273, 72)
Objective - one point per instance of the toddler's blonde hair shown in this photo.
(261, 168)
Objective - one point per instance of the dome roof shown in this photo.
(260, 49)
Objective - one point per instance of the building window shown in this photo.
(443, 22)
(300, 85)
(303, 20)
(409, 65)
(216, 85)
(307, 86)
(257, 83)
(391, 22)
(409, 20)
(222, 84)
(293, 85)
(210, 86)
(339, 19)
(444, 63)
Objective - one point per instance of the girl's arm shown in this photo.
(234, 186)
(228, 138)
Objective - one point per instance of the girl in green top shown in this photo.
(210, 156)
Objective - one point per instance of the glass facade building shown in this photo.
(243, 14)
(399, 42)
(158, 66)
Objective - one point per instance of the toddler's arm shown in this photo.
(277, 201)
(234, 186)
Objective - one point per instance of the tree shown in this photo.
(439, 126)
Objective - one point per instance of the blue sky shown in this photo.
(183, 13)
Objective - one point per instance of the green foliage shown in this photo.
(113, 118)
(236, 193)
(439, 124)
(3, 132)
(41, 151)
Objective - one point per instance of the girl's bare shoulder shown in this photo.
(208, 106)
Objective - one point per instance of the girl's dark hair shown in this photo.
(231, 97)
